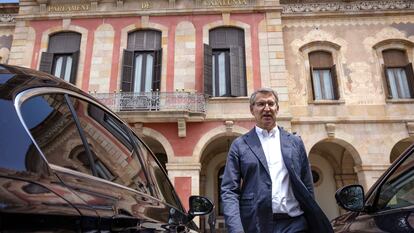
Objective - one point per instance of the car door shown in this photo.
(391, 204)
(91, 152)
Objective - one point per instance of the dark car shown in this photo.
(69, 164)
(387, 207)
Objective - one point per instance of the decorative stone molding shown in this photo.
(119, 4)
(7, 19)
(381, 5)
(410, 128)
(330, 129)
(229, 126)
(138, 128)
(182, 133)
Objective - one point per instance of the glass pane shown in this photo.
(58, 66)
(398, 189)
(317, 85)
(112, 150)
(52, 126)
(214, 75)
(392, 83)
(18, 153)
(68, 68)
(327, 84)
(403, 83)
(138, 73)
(222, 73)
(148, 74)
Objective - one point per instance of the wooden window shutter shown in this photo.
(387, 81)
(127, 71)
(334, 82)
(237, 77)
(313, 86)
(74, 68)
(410, 78)
(208, 70)
(46, 62)
(156, 81)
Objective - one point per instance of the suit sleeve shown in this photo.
(230, 191)
(306, 173)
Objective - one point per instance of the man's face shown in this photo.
(265, 110)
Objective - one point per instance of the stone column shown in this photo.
(186, 180)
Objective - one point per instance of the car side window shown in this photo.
(397, 190)
(163, 186)
(112, 150)
(18, 153)
(51, 125)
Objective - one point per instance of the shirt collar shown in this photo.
(265, 133)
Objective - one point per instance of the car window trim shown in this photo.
(95, 178)
(82, 135)
(135, 147)
(29, 93)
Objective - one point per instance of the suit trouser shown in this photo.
(290, 225)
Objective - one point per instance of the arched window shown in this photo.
(224, 63)
(61, 58)
(323, 76)
(398, 74)
(141, 71)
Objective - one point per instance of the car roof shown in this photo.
(14, 79)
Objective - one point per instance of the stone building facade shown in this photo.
(180, 73)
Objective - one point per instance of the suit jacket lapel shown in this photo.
(286, 148)
(254, 143)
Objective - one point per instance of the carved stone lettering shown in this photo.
(68, 7)
(225, 2)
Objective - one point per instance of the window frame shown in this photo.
(237, 76)
(140, 44)
(335, 52)
(397, 44)
(48, 59)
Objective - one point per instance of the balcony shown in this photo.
(156, 106)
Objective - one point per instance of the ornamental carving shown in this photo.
(6, 18)
(348, 6)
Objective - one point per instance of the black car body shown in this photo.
(387, 207)
(67, 163)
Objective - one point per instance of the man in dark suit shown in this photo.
(267, 182)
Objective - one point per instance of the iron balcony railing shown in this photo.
(153, 101)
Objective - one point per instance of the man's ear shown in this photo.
(251, 109)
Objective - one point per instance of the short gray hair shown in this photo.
(264, 90)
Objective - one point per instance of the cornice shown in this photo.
(346, 7)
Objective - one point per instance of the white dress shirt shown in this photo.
(283, 200)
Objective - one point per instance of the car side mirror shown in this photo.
(200, 206)
(351, 197)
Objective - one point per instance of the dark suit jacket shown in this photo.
(246, 188)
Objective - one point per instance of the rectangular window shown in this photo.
(397, 79)
(322, 84)
(62, 66)
(221, 72)
(143, 71)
